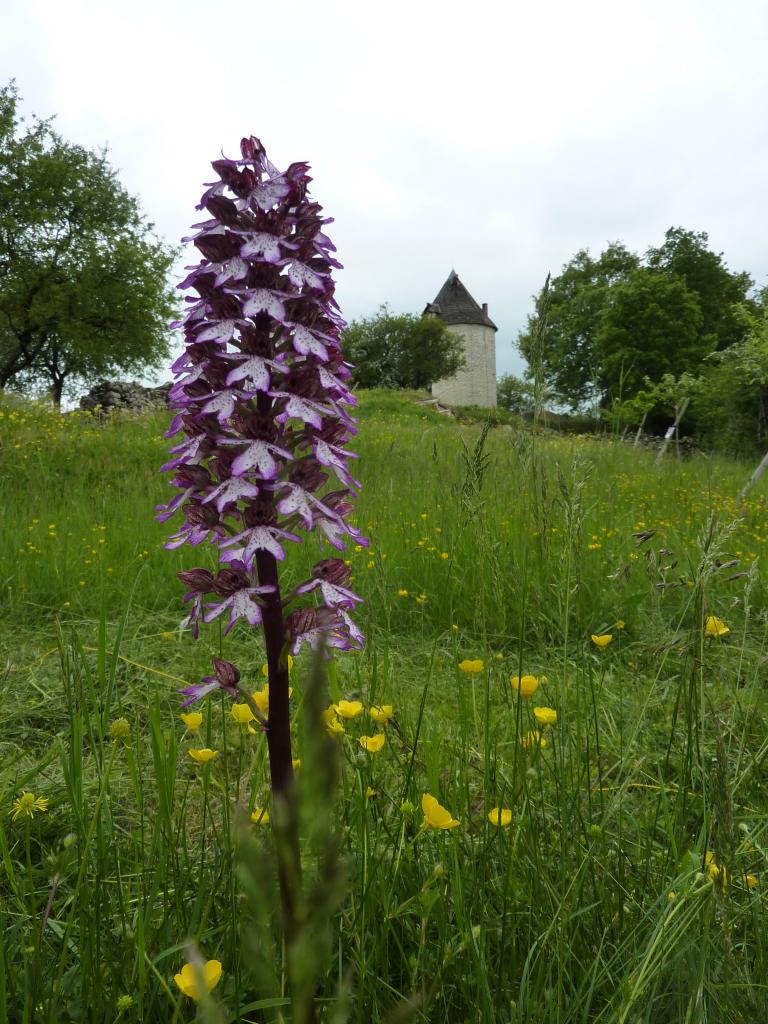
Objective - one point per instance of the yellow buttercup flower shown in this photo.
(192, 719)
(751, 881)
(436, 816)
(716, 872)
(332, 724)
(188, 977)
(471, 668)
(265, 667)
(349, 708)
(26, 805)
(402, 593)
(526, 686)
(602, 640)
(381, 713)
(715, 627)
(260, 816)
(203, 755)
(261, 699)
(242, 714)
(545, 716)
(500, 816)
(372, 744)
(533, 738)
(296, 763)
(620, 624)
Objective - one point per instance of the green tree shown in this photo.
(650, 326)
(732, 410)
(83, 282)
(401, 350)
(721, 294)
(563, 354)
(614, 319)
(514, 394)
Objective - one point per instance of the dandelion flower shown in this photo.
(203, 755)
(436, 816)
(260, 816)
(372, 744)
(349, 708)
(471, 668)
(242, 714)
(526, 686)
(602, 640)
(715, 627)
(545, 716)
(381, 713)
(192, 719)
(187, 979)
(500, 816)
(26, 805)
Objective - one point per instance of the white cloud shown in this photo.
(493, 138)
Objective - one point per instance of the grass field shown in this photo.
(629, 884)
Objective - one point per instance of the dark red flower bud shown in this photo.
(332, 570)
(199, 580)
(227, 581)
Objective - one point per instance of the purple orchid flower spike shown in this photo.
(260, 398)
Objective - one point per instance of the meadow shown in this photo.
(573, 644)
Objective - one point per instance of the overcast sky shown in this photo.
(493, 138)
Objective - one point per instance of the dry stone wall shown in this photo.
(127, 396)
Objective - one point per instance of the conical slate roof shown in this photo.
(454, 305)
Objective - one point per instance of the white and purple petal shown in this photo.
(264, 300)
(236, 488)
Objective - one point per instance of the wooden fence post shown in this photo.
(754, 478)
(672, 431)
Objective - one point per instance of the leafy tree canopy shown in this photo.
(514, 394)
(401, 350)
(613, 320)
(564, 353)
(83, 283)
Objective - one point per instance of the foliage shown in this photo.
(686, 256)
(627, 882)
(83, 284)
(575, 300)
(732, 409)
(618, 318)
(663, 396)
(515, 395)
(650, 326)
(401, 350)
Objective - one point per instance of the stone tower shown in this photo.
(476, 383)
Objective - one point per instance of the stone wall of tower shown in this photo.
(476, 383)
